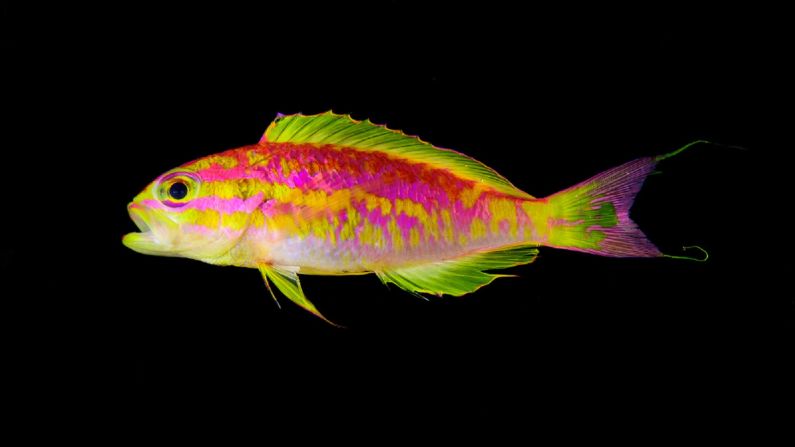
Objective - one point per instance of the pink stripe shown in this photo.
(226, 206)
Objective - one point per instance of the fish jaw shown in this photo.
(155, 232)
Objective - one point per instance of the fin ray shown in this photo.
(594, 214)
(458, 276)
(286, 280)
(342, 130)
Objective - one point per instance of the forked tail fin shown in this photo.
(593, 216)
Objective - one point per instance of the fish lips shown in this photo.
(155, 229)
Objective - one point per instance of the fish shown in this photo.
(326, 194)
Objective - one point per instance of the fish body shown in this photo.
(336, 210)
(329, 195)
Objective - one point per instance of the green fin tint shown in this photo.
(681, 149)
(690, 258)
(342, 130)
(288, 283)
(457, 276)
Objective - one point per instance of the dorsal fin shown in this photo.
(342, 130)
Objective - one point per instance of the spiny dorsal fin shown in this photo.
(457, 276)
(342, 130)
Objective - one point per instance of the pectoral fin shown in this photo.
(286, 280)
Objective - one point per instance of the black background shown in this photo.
(99, 102)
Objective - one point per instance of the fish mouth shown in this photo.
(137, 217)
(144, 241)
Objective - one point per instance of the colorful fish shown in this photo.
(328, 195)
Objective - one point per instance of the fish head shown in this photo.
(182, 215)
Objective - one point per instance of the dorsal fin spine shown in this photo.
(344, 131)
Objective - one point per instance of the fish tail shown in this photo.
(593, 216)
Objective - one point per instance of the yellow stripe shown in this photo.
(470, 195)
(224, 161)
(414, 238)
(447, 221)
(397, 236)
(503, 209)
(477, 229)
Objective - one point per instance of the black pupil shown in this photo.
(178, 190)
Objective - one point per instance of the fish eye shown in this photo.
(178, 190)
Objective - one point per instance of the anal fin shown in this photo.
(458, 276)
